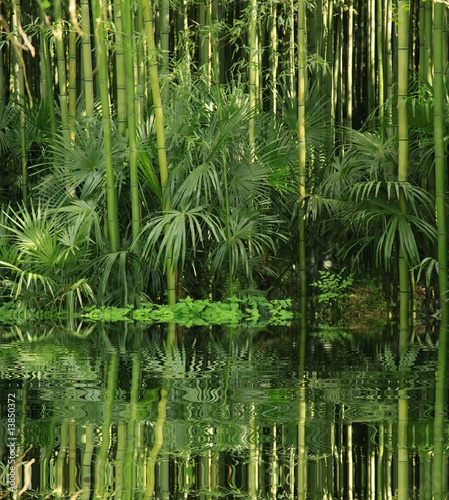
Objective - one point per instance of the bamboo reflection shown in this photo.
(403, 422)
(225, 434)
(440, 460)
(102, 464)
(86, 474)
(302, 449)
(159, 426)
(129, 472)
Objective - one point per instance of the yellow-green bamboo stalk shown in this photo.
(330, 58)
(72, 81)
(164, 41)
(380, 61)
(141, 77)
(439, 92)
(274, 56)
(160, 132)
(2, 81)
(103, 83)
(61, 66)
(120, 78)
(86, 55)
(302, 69)
(204, 33)
(389, 34)
(371, 59)
(403, 58)
(291, 51)
(428, 14)
(132, 120)
(215, 43)
(253, 74)
(19, 91)
(349, 64)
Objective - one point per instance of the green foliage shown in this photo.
(333, 287)
(189, 312)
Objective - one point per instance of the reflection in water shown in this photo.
(218, 413)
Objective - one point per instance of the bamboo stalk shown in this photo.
(403, 60)
(439, 470)
(160, 132)
(103, 82)
(61, 66)
(120, 69)
(132, 121)
(86, 51)
(253, 75)
(302, 69)
(72, 82)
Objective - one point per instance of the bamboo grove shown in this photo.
(213, 148)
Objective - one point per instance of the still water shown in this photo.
(138, 412)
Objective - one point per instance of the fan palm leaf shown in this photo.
(175, 231)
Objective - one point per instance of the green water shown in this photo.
(131, 412)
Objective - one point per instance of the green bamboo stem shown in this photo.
(204, 43)
(46, 79)
(72, 82)
(291, 51)
(132, 121)
(19, 93)
(164, 41)
(160, 132)
(120, 69)
(86, 51)
(2, 81)
(302, 69)
(274, 56)
(349, 64)
(330, 58)
(403, 53)
(439, 470)
(253, 75)
(102, 64)
(371, 56)
(61, 66)
(217, 76)
(389, 33)
(141, 76)
(380, 62)
(426, 30)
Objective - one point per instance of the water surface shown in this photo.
(131, 411)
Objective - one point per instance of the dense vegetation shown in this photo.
(214, 149)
